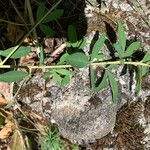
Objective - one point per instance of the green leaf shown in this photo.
(132, 48)
(64, 72)
(140, 72)
(20, 52)
(47, 74)
(144, 70)
(56, 78)
(47, 30)
(92, 77)
(112, 66)
(72, 34)
(78, 44)
(122, 61)
(78, 60)
(103, 82)
(40, 11)
(63, 59)
(65, 80)
(121, 36)
(146, 57)
(12, 76)
(41, 56)
(114, 86)
(138, 79)
(98, 45)
(118, 50)
(60, 76)
(53, 15)
(100, 56)
(81, 43)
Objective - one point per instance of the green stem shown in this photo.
(68, 66)
(118, 63)
(29, 32)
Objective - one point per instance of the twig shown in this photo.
(54, 54)
(58, 50)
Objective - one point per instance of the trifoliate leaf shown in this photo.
(21, 51)
(78, 60)
(98, 45)
(13, 76)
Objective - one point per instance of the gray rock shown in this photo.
(81, 114)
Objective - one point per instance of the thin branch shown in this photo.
(55, 53)
(58, 50)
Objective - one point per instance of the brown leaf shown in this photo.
(5, 132)
(6, 90)
(2, 101)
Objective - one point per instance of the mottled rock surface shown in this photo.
(81, 114)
